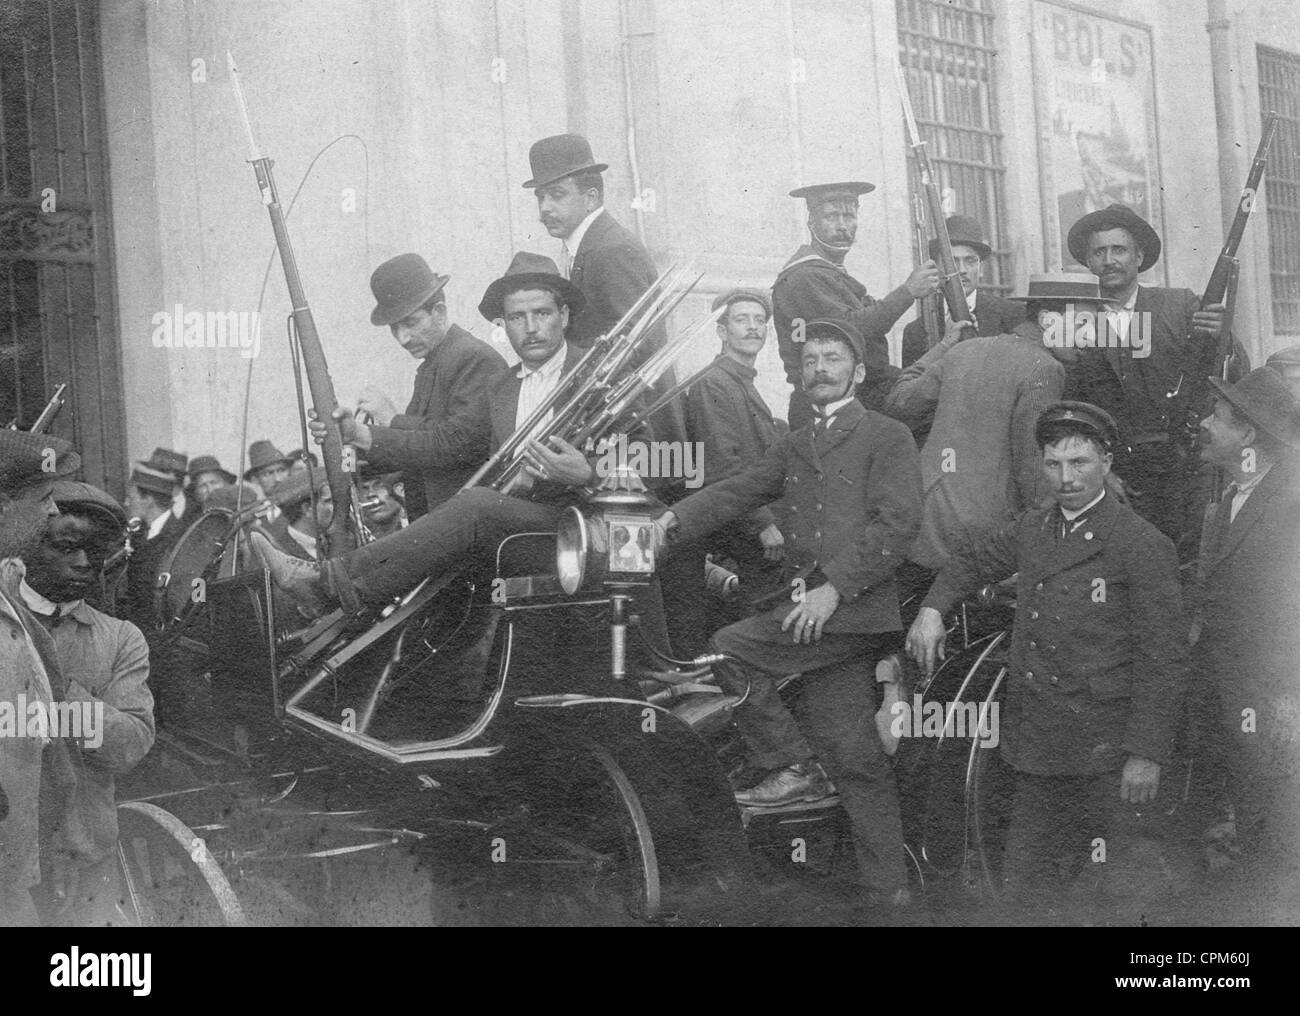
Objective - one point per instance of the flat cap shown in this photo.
(34, 461)
(835, 328)
(73, 495)
(1083, 416)
(737, 295)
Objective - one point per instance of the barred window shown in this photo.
(946, 51)
(1279, 90)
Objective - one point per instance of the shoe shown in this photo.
(803, 781)
(299, 580)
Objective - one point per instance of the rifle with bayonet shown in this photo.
(48, 414)
(953, 293)
(927, 307)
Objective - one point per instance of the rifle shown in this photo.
(50, 411)
(313, 354)
(927, 307)
(953, 293)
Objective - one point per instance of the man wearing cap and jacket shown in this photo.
(164, 460)
(815, 284)
(105, 663)
(849, 491)
(993, 315)
(607, 263)
(149, 498)
(1097, 651)
(1158, 342)
(443, 435)
(1248, 651)
(36, 778)
(206, 476)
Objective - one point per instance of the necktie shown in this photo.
(566, 261)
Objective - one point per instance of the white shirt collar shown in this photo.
(38, 604)
(834, 407)
(156, 526)
(548, 369)
(573, 241)
(1127, 305)
(1071, 515)
(970, 299)
(1249, 485)
(178, 504)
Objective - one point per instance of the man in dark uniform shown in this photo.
(993, 315)
(815, 284)
(1096, 668)
(1248, 653)
(607, 263)
(1157, 341)
(149, 498)
(443, 435)
(851, 484)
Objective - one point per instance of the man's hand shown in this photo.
(926, 639)
(378, 405)
(773, 542)
(561, 463)
(355, 434)
(924, 280)
(952, 333)
(1140, 781)
(809, 616)
(1208, 321)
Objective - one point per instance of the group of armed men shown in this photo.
(1151, 623)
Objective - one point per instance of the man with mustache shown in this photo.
(29, 766)
(815, 284)
(1096, 668)
(849, 490)
(105, 664)
(1166, 330)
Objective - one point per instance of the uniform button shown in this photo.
(1039, 587)
(794, 507)
(818, 534)
(819, 507)
(1054, 679)
(1029, 675)
(1033, 615)
(1033, 644)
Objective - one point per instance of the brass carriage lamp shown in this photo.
(611, 541)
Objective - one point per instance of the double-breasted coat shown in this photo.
(1099, 642)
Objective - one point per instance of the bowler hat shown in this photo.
(1114, 217)
(167, 461)
(1267, 401)
(737, 295)
(964, 231)
(154, 481)
(819, 191)
(835, 328)
(262, 454)
(529, 269)
(1062, 287)
(71, 495)
(30, 463)
(400, 285)
(208, 464)
(559, 156)
(1289, 357)
(1093, 419)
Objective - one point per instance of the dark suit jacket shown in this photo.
(613, 268)
(851, 499)
(732, 425)
(142, 572)
(1099, 641)
(443, 435)
(993, 316)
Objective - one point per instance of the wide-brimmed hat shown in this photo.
(559, 156)
(966, 232)
(34, 461)
(153, 481)
(1289, 357)
(738, 295)
(820, 327)
(525, 269)
(262, 454)
(815, 192)
(73, 495)
(208, 464)
(1062, 286)
(1085, 415)
(400, 285)
(1266, 400)
(164, 460)
(1114, 217)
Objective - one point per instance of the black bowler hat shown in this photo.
(559, 156)
(820, 191)
(965, 232)
(1087, 417)
(24, 459)
(529, 269)
(835, 328)
(1114, 217)
(164, 460)
(741, 295)
(400, 285)
(1267, 401)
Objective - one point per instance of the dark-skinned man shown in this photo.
(849, 485)
(1248, 650)
(605, 261)
(535, 303)
(1096, 668)
(815, 284)
(1155, 340)
(105, 663)
(443, 435)
(993, 314)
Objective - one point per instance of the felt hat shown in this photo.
(1114, 217)
(966, 232)
(400, 285)
(262, 454)
(559, 156)
(1266, 400)
(526, 268)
